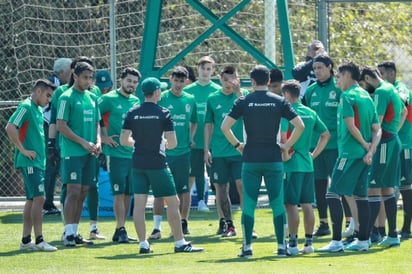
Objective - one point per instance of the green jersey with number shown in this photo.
(80, 111)
(217, 107)
(113, 108)
(301, 160)
(324, 99)
(201, 93)
(184, 113)
(28, 119)
(355, 103)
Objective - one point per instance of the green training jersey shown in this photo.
(201, 93)
(389, 105)
(183, 111)
(301, 160)
(28, 119)
(113, 107)
(405, 133)
(218, 105)
(324, 99)
(80, 111)
(355, 103)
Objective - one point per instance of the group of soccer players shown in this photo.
(347, 136)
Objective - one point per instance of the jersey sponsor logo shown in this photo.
(150, 117)
(73, 176)
(331, 104)
(262, 105)
(188, 108)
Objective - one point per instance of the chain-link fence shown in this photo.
(36, 32)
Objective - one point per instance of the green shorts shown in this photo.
(406, 167)
(385, 170)
(226, 169)
(324, 163)
(33, 178)
(161, 181)
(299, 188)
(120, 174)
(197, 163)
(180, 166)
(350, 177)
(79, 170)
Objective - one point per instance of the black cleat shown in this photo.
(143, 250)
(123, 238)
(323, 230)
(81, 241)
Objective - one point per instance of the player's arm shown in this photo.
(322, 142)
(226, 128)
(356, 134)
(404, 114)
(171, 140)
(376, 137)
(11, 130)
(207, 136)
(126, 138)
(296, 133)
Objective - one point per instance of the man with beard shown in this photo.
(385, 172)
(113, 107)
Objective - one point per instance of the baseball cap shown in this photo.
(103, 79)
(150, 84)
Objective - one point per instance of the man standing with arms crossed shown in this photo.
(261, 111)
(201, 89)
(113, 108)
(78, 122)
(149, 129)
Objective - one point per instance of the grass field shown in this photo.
(220, 254)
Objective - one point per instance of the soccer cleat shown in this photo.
(375, 237)
(333, 246)
(95, 235)
(390, 242)
(348, 232)
(123, 238)
(29, 246)
(144, 250)
(307, 249)
(51, 211)
(292, 250)
(222, 227)
(115, 237)
(357, 245)
(350, 239)
(69, 240)
(156, 234)
(254, 235)
(282, 253)
(188, 248)
(230, 232)
(323, 230)
(79, 240)
(185, 229)
(201, 206)
(245, 253)
(405, 235)
(44, 246)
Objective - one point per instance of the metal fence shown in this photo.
(36, 32)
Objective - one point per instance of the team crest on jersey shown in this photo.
(73, 176)
(187, 107)
(332, 95)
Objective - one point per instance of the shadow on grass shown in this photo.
(132, 256)
(17, 218)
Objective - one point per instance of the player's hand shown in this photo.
(110, 141)
(53, 154)
(208, 159)
(30, 154)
